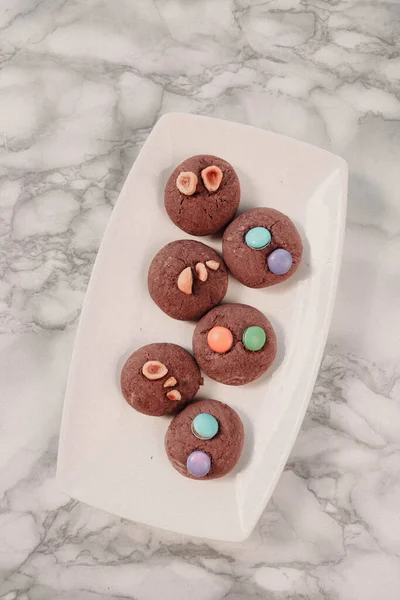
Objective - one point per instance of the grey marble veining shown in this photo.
(82, 82)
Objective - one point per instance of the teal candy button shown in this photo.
(258, 238)
(254, 338)
(204, 426)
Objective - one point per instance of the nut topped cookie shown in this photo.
(205, 440)
(262, 247)
(202, 194)
(234, 344)
(186, 278)
(160, 378)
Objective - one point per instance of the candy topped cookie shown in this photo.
(159, 379)
(186, 278)
(234, 344)
(202, 194)
(262, 247)
(205, 440)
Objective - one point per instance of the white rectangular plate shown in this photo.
(113, 457)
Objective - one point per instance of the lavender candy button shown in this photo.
(280, 261)
(198, 463)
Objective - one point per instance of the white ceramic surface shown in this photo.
(113, 457)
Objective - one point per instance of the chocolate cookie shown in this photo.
(205, 440)
(202, 194)
(186, 278)
(160, 378)
(234, 344)
(262, 247)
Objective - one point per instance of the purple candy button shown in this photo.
(198, 463)
(280, 261)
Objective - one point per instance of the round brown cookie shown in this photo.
(252, 267)
(186, 278)
(236, 365)
(160, 378)
(204, 211)
(223, 449)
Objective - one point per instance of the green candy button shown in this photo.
(205, 426)
(258, 238)
(254, 338)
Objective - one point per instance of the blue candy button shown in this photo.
(204, 426)
(258, 238)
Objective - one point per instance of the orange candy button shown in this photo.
(220, 339)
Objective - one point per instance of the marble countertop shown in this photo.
(81, 85)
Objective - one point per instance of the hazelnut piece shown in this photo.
(213, 265)
(170, 382)
(212, 177)
(154, 369)
(174, 395)
(186, 182)
(185, 281)
(201, 271)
